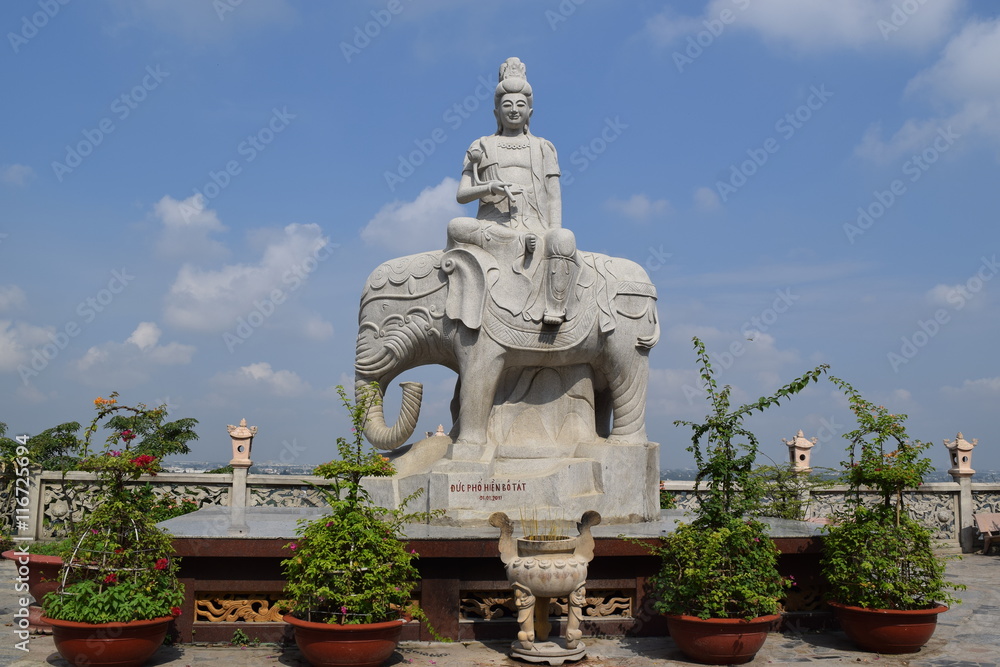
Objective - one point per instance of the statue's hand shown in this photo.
(507, 189)
(530, 242)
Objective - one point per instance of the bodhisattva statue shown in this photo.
(511, 292)
(515, 177)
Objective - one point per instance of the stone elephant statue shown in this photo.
(446, 307)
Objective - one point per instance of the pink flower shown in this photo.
(293, 546)
(115, 452)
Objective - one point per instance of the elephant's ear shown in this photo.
(466, 286)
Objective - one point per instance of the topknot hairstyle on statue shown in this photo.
(513, 78)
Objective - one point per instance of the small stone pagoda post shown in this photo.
(960, 451)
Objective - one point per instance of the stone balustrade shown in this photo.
(57, 500)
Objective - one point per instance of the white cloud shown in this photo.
(201, 21)
(16, 174)
(667, 28)
(11, 296)
(639, 207)
(145, 336)
(979, 388)
(411, 227)
(212, 301)
(706, 200)
(855, 24)
(130, 363)
(261, 376)
(18, 339)
(187, 226)
(964, 83)
(316, 328)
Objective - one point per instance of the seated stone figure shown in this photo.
(515, 177)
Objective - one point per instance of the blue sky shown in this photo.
(192, 194)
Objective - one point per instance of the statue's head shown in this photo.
(513, 89)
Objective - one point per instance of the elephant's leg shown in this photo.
(480, 364)
(627, 374)
(603, 410)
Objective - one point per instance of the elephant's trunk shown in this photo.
(377, 431)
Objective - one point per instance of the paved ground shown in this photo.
(967, 635)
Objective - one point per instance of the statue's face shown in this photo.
(514, 111)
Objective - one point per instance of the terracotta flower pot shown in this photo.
(333, 645)
(888, 630)
(720, 641)
(108, 644)
(43, 577)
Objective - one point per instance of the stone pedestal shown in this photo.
(541, 456)
(619, 481)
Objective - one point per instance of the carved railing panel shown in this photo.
(67, 502)
(285, 496)
(934, 510)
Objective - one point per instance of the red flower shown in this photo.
(144, 461)
(111, 578)
(175, 611)
(128, 435)
(161, 564)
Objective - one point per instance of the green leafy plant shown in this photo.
(876, 555)
(350, 565)
(723, 564)
(785, 490)
(667, 500)
(118, 565)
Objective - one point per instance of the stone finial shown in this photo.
(798, 451)
(242, 436)
(960, 450)
(440, 431)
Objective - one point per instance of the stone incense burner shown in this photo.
(541, 569)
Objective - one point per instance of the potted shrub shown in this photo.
(718, 581)
(349, 577)
(118, 588)
(887, 587)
